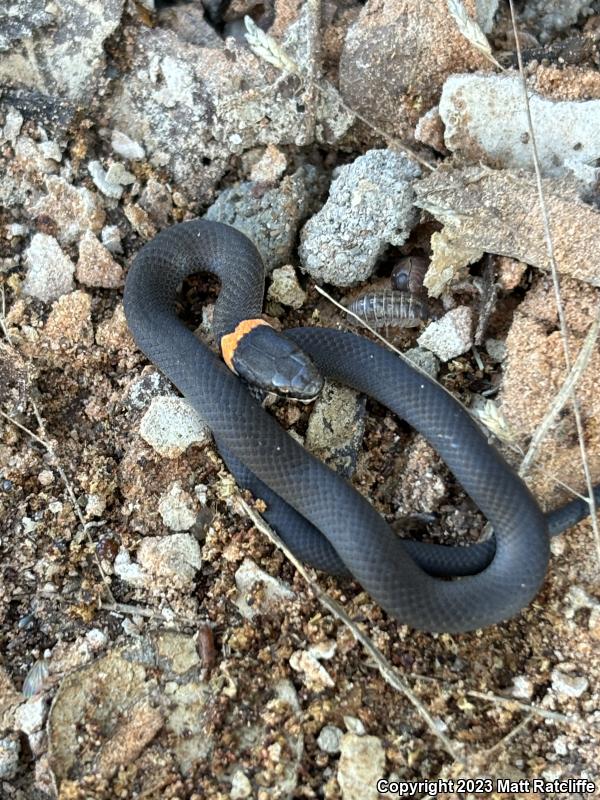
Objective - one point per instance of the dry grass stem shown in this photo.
(313, 55)
(471, 31)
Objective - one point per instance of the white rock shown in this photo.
(323, 650)
(171, 425)
(50, 150)
(96, 639)
(240, 786)
(117, 174)
(486, 113)
(111, 238)
(560, 745)
(522, 687)
(100, 178)
(175, 557)
(314, 674)
(354, 725)
(449, 336)
(12, 125)
(126, 147)
(31, 716)
(361, 765)
(95, 505)
(275, 592)
(329, 739)
(128, 570)
(567, 684)
(176, 508)
(49, 270)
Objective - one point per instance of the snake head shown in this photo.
(267, 359)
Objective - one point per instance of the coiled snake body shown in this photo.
(320, 516)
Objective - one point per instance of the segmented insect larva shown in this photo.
(390, 308)
(408, 274)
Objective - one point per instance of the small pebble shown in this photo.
(329, 739)
(170, 426)
(100, 178)
(567, 684)
(449, 336)
(424, 359)
(176, 508)
(126, 147)
(49, 270)
(9, 757)
(240, 786)
(30, 716)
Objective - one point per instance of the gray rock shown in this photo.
(424, 359)
(553, 15)
(59, 52)
(565, 130)
(361, 765)
(111, 238)
(269, 216)
(496, 349)
(9, 757)
(192, 102)
(108, 187)
(329, 739)
(49, 270)
(151, 384)
(370, 206)
(20, 19)
(567, 684)
(74, 209)
(128, 570)
(176, 508)
(12, 125)
(171, 425)
(273, 595)
(175, 557)
(449, 336)
(31, 716)
(336, 427)
(126, 147)
(240, 786)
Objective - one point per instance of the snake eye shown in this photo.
(267, 359)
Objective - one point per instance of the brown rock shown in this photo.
(74, 209)
(70, 321)
(113, 334)
(510, 272)
(497, 211)
(535, 371)
(396, 58)
(96, 266)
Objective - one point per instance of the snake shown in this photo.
(318, 514)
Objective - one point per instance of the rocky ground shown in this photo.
(154, 643)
